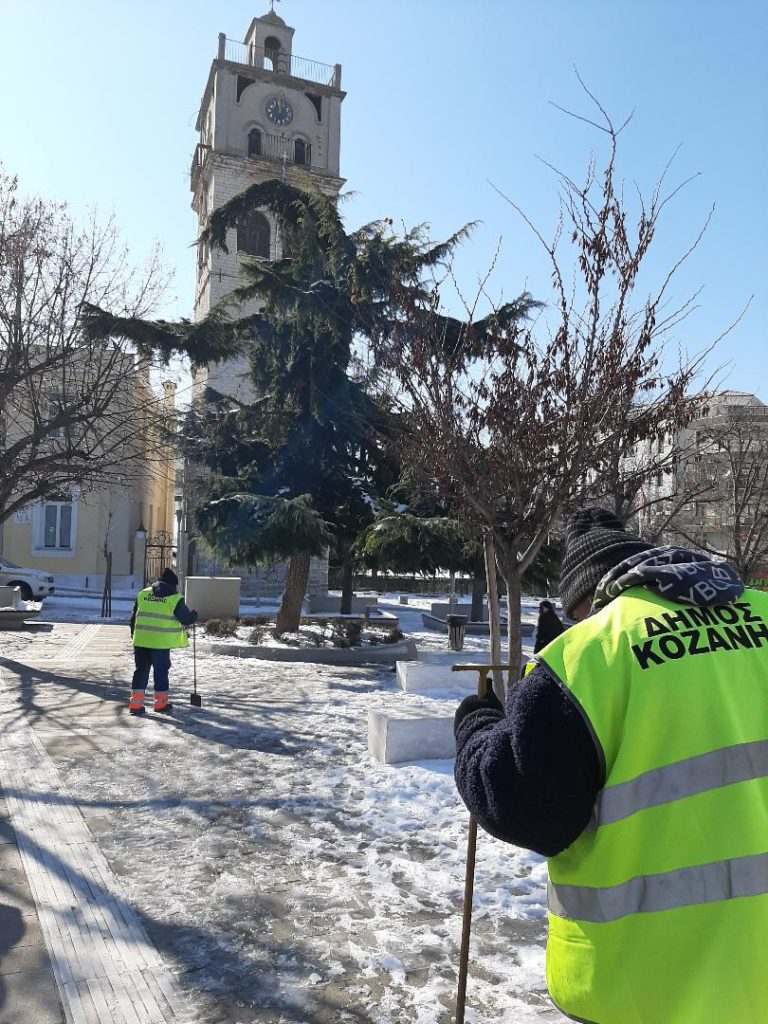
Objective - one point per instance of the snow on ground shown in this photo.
(287, 876)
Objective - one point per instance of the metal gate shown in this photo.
(158, 555)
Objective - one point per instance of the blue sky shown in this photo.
(98, 104)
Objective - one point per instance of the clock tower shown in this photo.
(265, 113)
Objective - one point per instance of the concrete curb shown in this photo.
(381, 655)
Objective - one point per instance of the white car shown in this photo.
(33, 584)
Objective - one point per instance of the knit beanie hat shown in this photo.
(169, 576)
(595, 542)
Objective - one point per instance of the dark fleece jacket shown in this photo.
(160, 589)
(531, 774)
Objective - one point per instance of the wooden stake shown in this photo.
(469, 874)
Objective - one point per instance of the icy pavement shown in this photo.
(280, 872)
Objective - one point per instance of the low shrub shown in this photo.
(383, 634)
(254, 620)
(221, 627)
(256, 636)
(347, 633)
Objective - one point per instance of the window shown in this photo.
(242, 85)
(271, 53)
(253, 235)
(301, 152)
(317, 103)
(54, 409)
(254, 142)
(57, 525)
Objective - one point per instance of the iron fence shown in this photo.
(158, 555)
(278, 63)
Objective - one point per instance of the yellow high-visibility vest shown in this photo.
(658, 912)
(155, 625)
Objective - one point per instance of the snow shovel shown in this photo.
(469, 877)
(194, 698)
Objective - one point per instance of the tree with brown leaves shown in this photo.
(511, 429)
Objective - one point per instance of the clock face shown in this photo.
(279, 111)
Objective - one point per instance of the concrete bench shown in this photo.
(9, 597)
(321, 603)
(399, 734)
(418, 677)
(13, 611)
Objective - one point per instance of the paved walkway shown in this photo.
(70, 949)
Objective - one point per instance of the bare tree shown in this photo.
(73, 412)
(727, 479)
(513, 428)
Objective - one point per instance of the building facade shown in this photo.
(715, 489)
(68, 537)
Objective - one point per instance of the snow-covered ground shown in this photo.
(282, 872)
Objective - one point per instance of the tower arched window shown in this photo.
(301, 152)
(254, 142)
(272, 53)
(253, 235)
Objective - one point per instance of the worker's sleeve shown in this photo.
(133, 616)
(185, 615)
(530, 776)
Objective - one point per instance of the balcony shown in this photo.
(277, 147)
(266, 146)
(278, 64)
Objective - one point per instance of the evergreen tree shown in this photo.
(314, 429)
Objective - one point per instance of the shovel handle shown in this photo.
(466, 921)
(469, 876)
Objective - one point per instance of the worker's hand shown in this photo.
(474, 703)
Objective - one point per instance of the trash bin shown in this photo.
(456, 628)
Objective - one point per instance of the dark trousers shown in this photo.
(148, 658)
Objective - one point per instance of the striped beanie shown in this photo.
(595, 543)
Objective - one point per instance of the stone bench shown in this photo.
(322, 603)
(421, 677)
(397, 734)
(430, 621)
(9, 597)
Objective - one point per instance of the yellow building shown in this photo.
(68, 537)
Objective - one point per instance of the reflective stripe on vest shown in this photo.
(658, 909)
(156, 626)
(687, 887)
(683, 778)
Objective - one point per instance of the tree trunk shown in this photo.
(493, 612)
(514, 612)
(289, 615)
(478, 593)
(347, 568)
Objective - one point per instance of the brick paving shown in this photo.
(70, 949)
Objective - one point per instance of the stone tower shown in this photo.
(265, 113)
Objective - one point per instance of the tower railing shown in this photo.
(277, 147)
(277, 63)
(271, 147)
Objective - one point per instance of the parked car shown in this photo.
(33, 584)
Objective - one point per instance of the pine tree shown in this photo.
(314, 429)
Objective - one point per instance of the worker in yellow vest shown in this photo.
(635, 758)
(157, 626)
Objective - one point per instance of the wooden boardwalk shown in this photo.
(106, 968)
